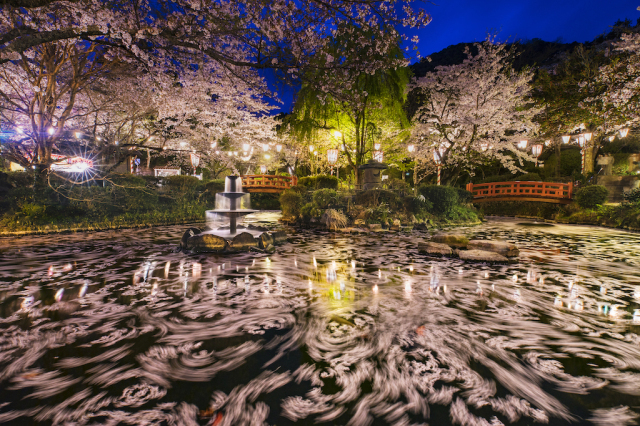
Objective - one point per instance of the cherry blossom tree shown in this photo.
(472, 111)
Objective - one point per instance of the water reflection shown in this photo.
(115, 328)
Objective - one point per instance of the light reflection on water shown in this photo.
(113, 327)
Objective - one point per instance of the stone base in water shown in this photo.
(197, 241)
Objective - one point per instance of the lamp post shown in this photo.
(438, 160)
(582, 142)
(536, 150)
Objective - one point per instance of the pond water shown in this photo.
(116, 328)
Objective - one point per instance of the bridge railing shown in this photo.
(552, 192)
(268, 183)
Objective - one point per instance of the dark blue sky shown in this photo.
(458, 21)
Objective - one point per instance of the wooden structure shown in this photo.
(268, 183)
(545, 192)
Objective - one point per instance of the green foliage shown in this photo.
(632, 196)
(323, 198)
(533, 177)
(498, 178)
(464, 196)
(265, 201)
(417, 206)
(591, 196)
(214, 186)
(444, 198)
(519, 208)
(378, 214)
(182, 181)
(620, 163)
(628, 145)
(309, 211)
(570, 163)
(291, 203)
(319, 182)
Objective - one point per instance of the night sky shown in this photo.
(459, 21)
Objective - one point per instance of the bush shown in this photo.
(416, 205)
(215, 186)
(534, 177)
(632, 196)
(319, 182)
(464, 196)
(265, 201)
(309, 211)
(443, 198)
(334, 219)
(291, 203)
(589, 197)
(374, 197)
(182, 181)
(323, 198)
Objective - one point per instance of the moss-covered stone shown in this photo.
(453, 240)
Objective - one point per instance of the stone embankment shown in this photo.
(196, 241)
(454, 245)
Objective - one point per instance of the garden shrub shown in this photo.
(265, 201)
(589, 197)
(464, 196)
(323, 198)
(181, 181)
(374, 197)
(319, 182)
(417, 206)
(334, 219)
(378, 214)
(291, 203)
(214, 186)
(632, 196)
(307, 182)
(443, 198)
(498, 178)
(309, 211)
(534, 177)
(396, 184)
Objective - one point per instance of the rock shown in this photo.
(243, 242)
(257, 228)
(453, 240)
(500, 247)
(396, 222)
(279, 237)
(207, 243)
(375, 226)
(435, 249)
(406, 228)
(264, 240)
(359, 222)
(482, 256)
(420, 227)
(188, 234)
(270, 249)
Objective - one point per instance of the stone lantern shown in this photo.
(372, 174)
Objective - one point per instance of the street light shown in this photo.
(437, 158)
(536, 150)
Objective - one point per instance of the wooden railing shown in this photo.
(268, 183)
(546, 192)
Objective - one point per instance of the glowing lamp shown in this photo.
(411, 148)
(265, 147)
(343, 147)
(376, 146)
(332, 156)
(437, 157)
(522, 144)
(310, 148)
(19, 129)
(581, 141)
(337, 134)
(278, 147)
(547, 143)
(267, 157)
(263, 169)
(484, 146)
(624, 133)
(51, 130)
(536, 150)
(378, 156)
(565, 139)
(587, 136)
(245, 147)
(612, 138)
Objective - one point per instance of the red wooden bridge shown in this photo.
(268, 183)
(546, 192)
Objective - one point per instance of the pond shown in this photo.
(116, 328)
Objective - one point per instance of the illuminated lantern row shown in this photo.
(536, 150)
(332, 156)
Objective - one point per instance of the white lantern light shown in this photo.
(337, 134)
(376, 146)
(310, 148)
(332, 156)
(547, 143)
(437, 157)
(265, 147)
(278, 147)
(411, 148)
(587, 136)
(565, 139)
(263, 169)
(581, 141)
(51, 130)
(484, 146)
(536, 150)
(378, 156)
(245, 147)
(522, 144)
(267, 157)
(612, 138)
(624, 133)
(19, 129)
